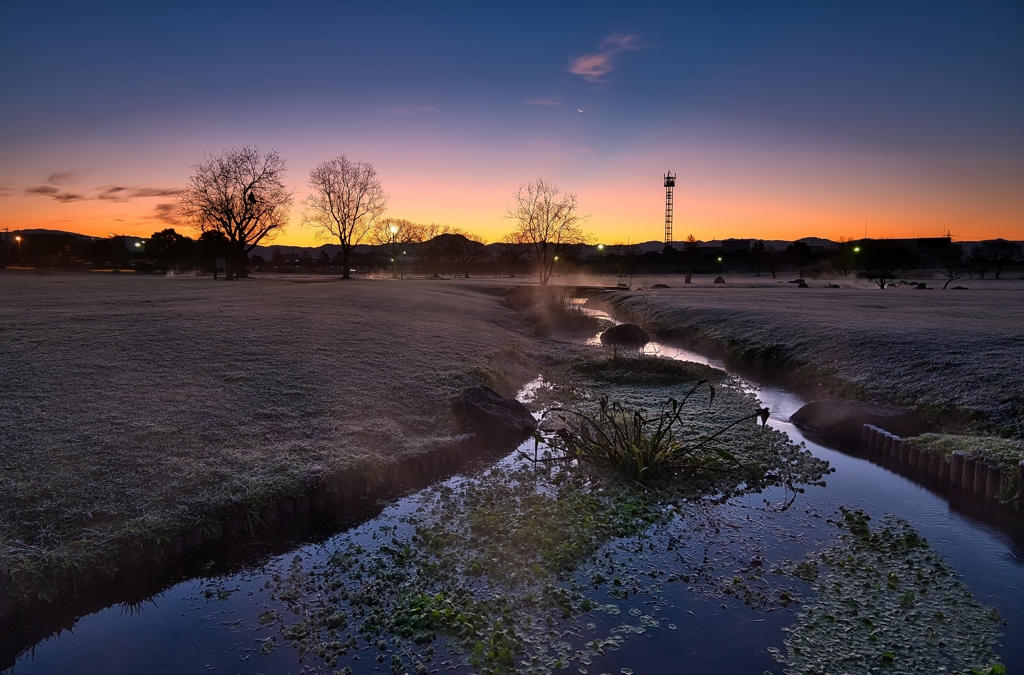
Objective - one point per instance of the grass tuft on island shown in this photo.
(644, 370)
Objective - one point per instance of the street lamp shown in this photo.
(394, 253)
(18, 239)
(403, 264)
(719, 264)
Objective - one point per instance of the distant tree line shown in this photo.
(399, 248)
(238, 200)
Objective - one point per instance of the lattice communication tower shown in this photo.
(670, 183)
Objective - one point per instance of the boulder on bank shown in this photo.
(491, 415)
(844, 420)
(628, 335)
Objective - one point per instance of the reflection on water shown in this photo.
(211, 624)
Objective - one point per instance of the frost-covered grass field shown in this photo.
(952, 351)
(140, 405)
(134, 405)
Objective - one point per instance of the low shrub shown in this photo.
(646, 447)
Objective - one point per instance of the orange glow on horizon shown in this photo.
(741, 191)
(615, 216)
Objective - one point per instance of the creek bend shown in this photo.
(211, 623)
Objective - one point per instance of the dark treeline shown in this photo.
(454, 253)
(165, 250)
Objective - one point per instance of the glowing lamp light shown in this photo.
(394, 229)
(17, 239)
(556, 258)
(856, 249)
(719, 258)
(138, 244)
(600, 247)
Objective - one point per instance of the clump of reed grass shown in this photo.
(646, 447)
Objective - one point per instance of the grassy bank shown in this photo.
(140, 408)
(955, 354)
(1006, 453)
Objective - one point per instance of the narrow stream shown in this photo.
(209, 624)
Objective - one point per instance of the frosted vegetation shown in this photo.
(136, 407)
(886, 601)
(956, 354)
(488, 569)
(139, 406)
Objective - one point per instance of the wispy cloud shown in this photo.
(64, 177)
(51, 191)
(166, 213)
(593, 67)
(123, 194)
(115, 193)
(542, 101)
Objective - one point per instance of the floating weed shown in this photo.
(491, 568)
(886, 600)
(494, 568)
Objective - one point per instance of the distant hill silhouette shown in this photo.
(24, 233)
(267, 251)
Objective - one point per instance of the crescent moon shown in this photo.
(579, 109)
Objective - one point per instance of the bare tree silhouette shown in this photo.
(548, 219)
(240, 194)
(345, 202)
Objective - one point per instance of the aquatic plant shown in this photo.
(646, 447)
(479, 564)
(885, 600)
(491, 567)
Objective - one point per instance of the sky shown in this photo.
(781, 119)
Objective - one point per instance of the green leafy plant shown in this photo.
(645, 447)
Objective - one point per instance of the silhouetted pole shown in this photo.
(670, 184)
